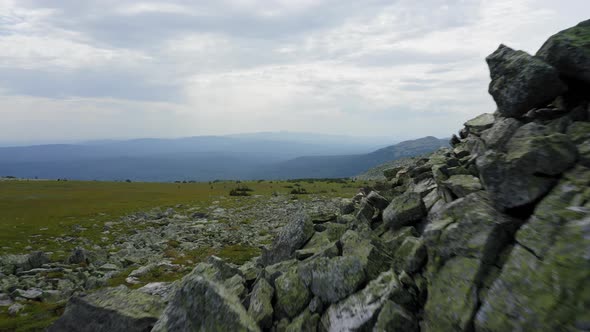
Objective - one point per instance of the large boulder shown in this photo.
(521, 82)
(201, 304)
(404, 210)
(464, 242)
(110, 310)
(497, 136)
(527, 171)
(480, 123)
(394, 317)
(569, 52)
(260, 307)
(292, 237)
(373, 254)
(360, 310)
(549, 294)
(333, 279)
(292, 295)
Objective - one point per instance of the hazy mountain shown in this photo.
(203, 158)
(351, 165)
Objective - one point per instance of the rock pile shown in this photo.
(491, 235)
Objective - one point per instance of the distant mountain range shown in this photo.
(205, 158)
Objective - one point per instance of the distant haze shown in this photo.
(73, 71)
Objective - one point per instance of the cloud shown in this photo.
(114, 68)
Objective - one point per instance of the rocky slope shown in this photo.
(490, 235)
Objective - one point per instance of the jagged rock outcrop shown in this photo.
(490, 235)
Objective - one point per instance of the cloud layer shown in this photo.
(74, 70)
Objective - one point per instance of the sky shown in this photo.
(113, 69)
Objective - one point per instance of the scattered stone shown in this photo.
(15, 309)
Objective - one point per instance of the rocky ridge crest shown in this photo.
(490, 235)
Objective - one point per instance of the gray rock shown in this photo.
(393, 318)
(377, 200)
(260, 307)
(292, 295)
(11, 264)
(521, 82)
(5, 300)
(480, 123)
(164, 290)
(359, 310)
(332, 279)
(15, 309)
(404, 210)
(307, 322)
(29, 294)
(462, 185)
(372, 252)
(410, 256)
(525, 172)
(111, 309)
(201, 304)
(497, 136)
(292, 237)
(569, 52)
(78, 256)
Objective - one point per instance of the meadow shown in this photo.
(35, 211)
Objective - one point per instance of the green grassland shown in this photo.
(34, 212)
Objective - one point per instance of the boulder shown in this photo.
(372, 252)
(306, 322)
(292, 237)
(549, 294)
(497, 136)
(79, 256)
(410, 256)
(464, 241)
(480, 123)
(11, 264)
(260, 307)
(569, 52)
(526, 171)
(360, 310)
(332, 279)
(201, 304)
(110, 310)
(377, 201)
(521, 82)
(404, 210)
(462, 185)
(393, 317)
(292, 295)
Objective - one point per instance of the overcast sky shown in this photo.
(76, 70)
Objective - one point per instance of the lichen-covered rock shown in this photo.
(525, 172)
(394, 318)
(497, 136)
(260, 307)
(551, 294)
(569, 51)
(306, 322)
(292, 237)
(201, 304)
(464, 242)
(361, 309)
(333, 279)
(404, 210)
(110, 310)
(480, 123)
(521, 81)
(579, 132)
(463, 184)
(374, 255)
(292, 294)
(452, 296)
(410, 256)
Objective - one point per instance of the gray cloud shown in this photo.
(401, 68)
